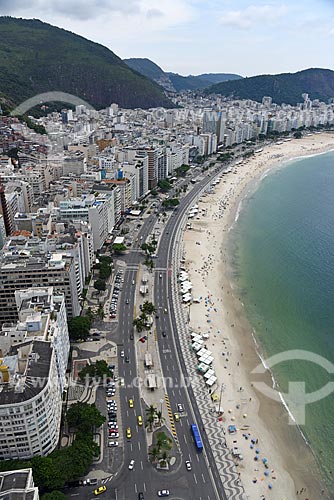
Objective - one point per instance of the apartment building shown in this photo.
(18, 484)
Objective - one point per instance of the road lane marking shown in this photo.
(195, 478)
(203, 478)
(185, 439)
(141, 465)
(144, 486)
(139, 445)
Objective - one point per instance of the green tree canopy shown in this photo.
(118, 248)
(84, 417)
(54, 495)
(79, 327)
(100, 285)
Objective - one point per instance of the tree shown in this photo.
(118, 248)
(79, 327)
(164, 458)
(148, 308)
(150, 415)
(298, 134)
(84, 417)
(54, 495)
(139, 323)
(100, 285)
(171, 203)
(160, 417)
(100, 311)
(148, 262)
(98, 369)
(164, 185)
(154, 454)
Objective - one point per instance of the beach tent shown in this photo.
(211, 381)
(202, 367)
(209, 373)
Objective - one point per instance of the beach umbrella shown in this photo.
(266, 473)
(230, 411)
(245, 415)
(270, 486)
(251, 446)
(232, 418)
(256, 457)
(264, 460)
(257, 450)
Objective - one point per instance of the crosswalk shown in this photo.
(107, 479)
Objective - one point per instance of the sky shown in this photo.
(199, 36)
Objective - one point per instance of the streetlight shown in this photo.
(220, 397)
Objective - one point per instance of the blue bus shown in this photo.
(197, 437)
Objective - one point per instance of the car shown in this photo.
(113, 316)
(188, 464)
(127, 359)
(127, 301)
(113, 435)
(140, 496)
(180, 408)
(131, 403)
(113, 444)
(121, 354)
(128, 433)
(163, 333)
(90, 339)
(100, 490)
(131, 336)
(90, 482)
(160, 275)
(112, 426)
(165, 310)
(131, 464)
(140, 420)
(142, 340)
(163, 493)
(112, 415)
(133, 282)
(157, 316)
(176, 417)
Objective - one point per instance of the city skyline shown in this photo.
(191, 36)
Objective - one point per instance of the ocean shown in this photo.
(284, 268)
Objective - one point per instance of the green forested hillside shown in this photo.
(283, 88)
(36, 57)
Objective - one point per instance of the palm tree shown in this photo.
(150, 414)
(100, 311)
(161, 419)
(139, 324)
(164, 459)
(149, 422)
(154, 454)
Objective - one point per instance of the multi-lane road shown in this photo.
(203, 481)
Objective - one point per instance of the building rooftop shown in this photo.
(31, 374)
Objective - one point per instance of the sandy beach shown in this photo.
(263, 431)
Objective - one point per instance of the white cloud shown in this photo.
(244, 19)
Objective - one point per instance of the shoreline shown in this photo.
(207, 248)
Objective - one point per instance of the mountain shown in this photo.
(36, 57)
(219, 77)
(151, 70)
(283, 88)
(174, 81)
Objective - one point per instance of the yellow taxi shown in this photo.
(140, 420)
(176, 417)
(131, 403)
(128, 433)
(100, 490)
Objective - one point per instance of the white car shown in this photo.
(112, 443)
(188, 464)
(131, 464)
(163, 493)
(180, 408)
(121, 354)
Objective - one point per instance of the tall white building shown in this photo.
(33, 361)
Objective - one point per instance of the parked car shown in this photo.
(113, 444)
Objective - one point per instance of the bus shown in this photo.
(197, 437)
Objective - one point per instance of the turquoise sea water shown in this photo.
(284, 241)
